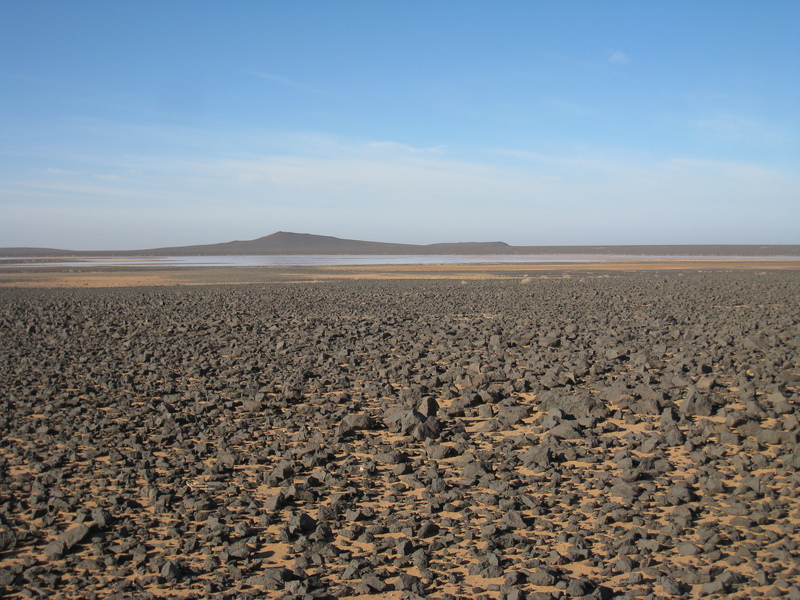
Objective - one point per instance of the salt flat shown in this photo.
(115, 276)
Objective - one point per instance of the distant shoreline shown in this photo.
(304, 244)
(345, 260)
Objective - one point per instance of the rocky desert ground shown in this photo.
(609, 434)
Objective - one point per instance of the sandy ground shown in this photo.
(572, 507)
(99, 277)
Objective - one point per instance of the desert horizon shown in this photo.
(288, 243)
(391, 300)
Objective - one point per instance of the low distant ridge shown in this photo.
(288, 243)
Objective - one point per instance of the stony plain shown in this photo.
(599, 435)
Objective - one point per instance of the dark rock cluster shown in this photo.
(631, 435)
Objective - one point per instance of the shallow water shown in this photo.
(354, 260)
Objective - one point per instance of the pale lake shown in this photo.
(344, 260)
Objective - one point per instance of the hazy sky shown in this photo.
(143, 124)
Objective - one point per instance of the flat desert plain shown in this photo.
(466, 432)
(97, 275)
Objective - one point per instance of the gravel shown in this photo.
(620, 435)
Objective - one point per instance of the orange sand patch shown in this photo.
(100, 277)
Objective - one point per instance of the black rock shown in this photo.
(696, 404)
(579, 587)
(374, 582)
(101, 517)
(670, 586)
(427, 529)
(170, 572)
(538, 456)
(7, 540)
(239, 550)
(542, 577)
(410, 583)
(357, 422)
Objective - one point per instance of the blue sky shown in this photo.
(144, 124)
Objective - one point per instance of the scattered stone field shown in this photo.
(614, 435)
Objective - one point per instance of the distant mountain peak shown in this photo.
(462, 244)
